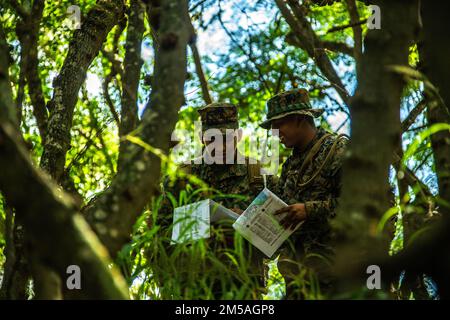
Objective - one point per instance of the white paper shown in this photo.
(192, 221)
(260, 227)
(219, 212)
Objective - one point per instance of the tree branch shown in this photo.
(412, 116)
(357, 33)
(329, 45)
(199, 69)
(27, 31)
(83, 48)
(7, 111)
(306, 35)
(345, 26)
(132, 63)
(114, 212)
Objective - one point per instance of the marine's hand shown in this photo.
(296, 213)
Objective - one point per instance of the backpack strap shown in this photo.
(314, 151)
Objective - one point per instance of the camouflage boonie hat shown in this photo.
(289, 102)
(219, 115)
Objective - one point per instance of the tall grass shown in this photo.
(220, 267)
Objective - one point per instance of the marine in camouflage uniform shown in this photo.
(311, 176)
(243, 180)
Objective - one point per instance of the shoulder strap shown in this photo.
(315, 148)
(314, 151)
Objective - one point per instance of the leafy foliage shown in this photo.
(251, 61)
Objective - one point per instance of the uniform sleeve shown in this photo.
(321, 208)
(333, 173)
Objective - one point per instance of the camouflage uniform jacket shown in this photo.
(243, 180)
(320, 195)
(235, 179)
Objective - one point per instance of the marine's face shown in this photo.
(221, 143)
(290, 130)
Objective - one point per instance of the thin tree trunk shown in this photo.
(83, 48)
(132, 65)
(27, 30)
(113, 214)
(375, 113)
(16, 274)
(435, 64)
(198, 67)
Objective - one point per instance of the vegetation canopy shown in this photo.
(93, 93)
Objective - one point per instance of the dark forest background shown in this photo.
(87, 114)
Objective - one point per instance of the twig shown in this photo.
(414, 113)
(248, 54)
(343, 27)
(357, 33)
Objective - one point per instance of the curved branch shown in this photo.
(357, 33)
(330, 45)
(28, 33)
(301, 27)
(83, 48)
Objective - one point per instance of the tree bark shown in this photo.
(7, 111)
(132, 64)
(375, 113)
(27, 30)
(83, 48)
(114, 212)
(434, 60)
(16, 273)
(60, 235)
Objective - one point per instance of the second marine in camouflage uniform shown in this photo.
(312, 176)
(238, 185)
(243, 179)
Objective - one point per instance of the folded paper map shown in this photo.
(260, 226)
(192, 221)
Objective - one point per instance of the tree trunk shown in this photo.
(132, 65)
(83, 48)
(375, 128)
(59, 234)
(435, 64)
(113, 214)
(16, 273)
